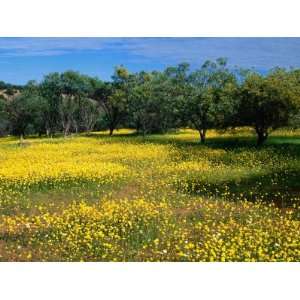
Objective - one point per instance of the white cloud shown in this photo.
(47, 46)
(246, 52)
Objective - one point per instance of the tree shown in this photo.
(25, 110)
(294, 120)
(148, 103)
(266, 103)
(87, 114)
(74, 88)
(9, 90)
(154, 102)
(102, 94)
(175, 91)
(139, 105)
(66, 94)
(4, 118)
(50, 89)
(210, 103)
(113, 98)
(155, 98)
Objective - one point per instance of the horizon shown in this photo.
(23, 59)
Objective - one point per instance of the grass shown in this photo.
(154, 198)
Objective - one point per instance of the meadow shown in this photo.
(164, 197)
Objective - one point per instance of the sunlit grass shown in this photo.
(150, 198)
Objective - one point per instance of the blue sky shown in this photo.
(23, 59)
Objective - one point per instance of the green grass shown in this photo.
(199, 184)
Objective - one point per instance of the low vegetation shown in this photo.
(160, 197)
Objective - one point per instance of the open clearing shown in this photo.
(154, 198)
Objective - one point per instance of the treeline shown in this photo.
(212, 96)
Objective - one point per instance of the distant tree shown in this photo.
(102, 94)
(74, 88)
(66, 95)
(294, 120)
(155, 99)
(155, 102)
(86, 114)
(113, 98)
(38, 123)
(267, 103)
(2, 85)
(51, 90)
(176, 91)
(139, 97)
(4, 118)
(211, 100)
(143, 106)
(25, 110)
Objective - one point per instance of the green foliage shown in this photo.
(4, 118)
(211, 97)
(26, 110)
(211, 102)
(113, 98)
(266, 103)
(67, 95)
(51, 90)
(151, 107)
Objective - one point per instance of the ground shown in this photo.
(155, 198)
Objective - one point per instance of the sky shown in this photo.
(24, 59)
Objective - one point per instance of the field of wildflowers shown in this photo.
(153, 198)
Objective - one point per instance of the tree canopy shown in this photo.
(212, 96)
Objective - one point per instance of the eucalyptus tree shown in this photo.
(155, 97)
(88, 114)
(176, 91)
(210, 102)
(113, 97)
(26, 110)
(75, 88)
(294, 120)
(51, 90)
(139, 101)
(267, 102)
(148, 103)
(4, 118)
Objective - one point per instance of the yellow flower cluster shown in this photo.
(156, 198)
(141, 230)
(55, 163)
(84, 232)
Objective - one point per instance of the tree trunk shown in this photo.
(202, 133)
(137, 127)
(262, 135)
(67, 128)
(111, 131)
(144, 128)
